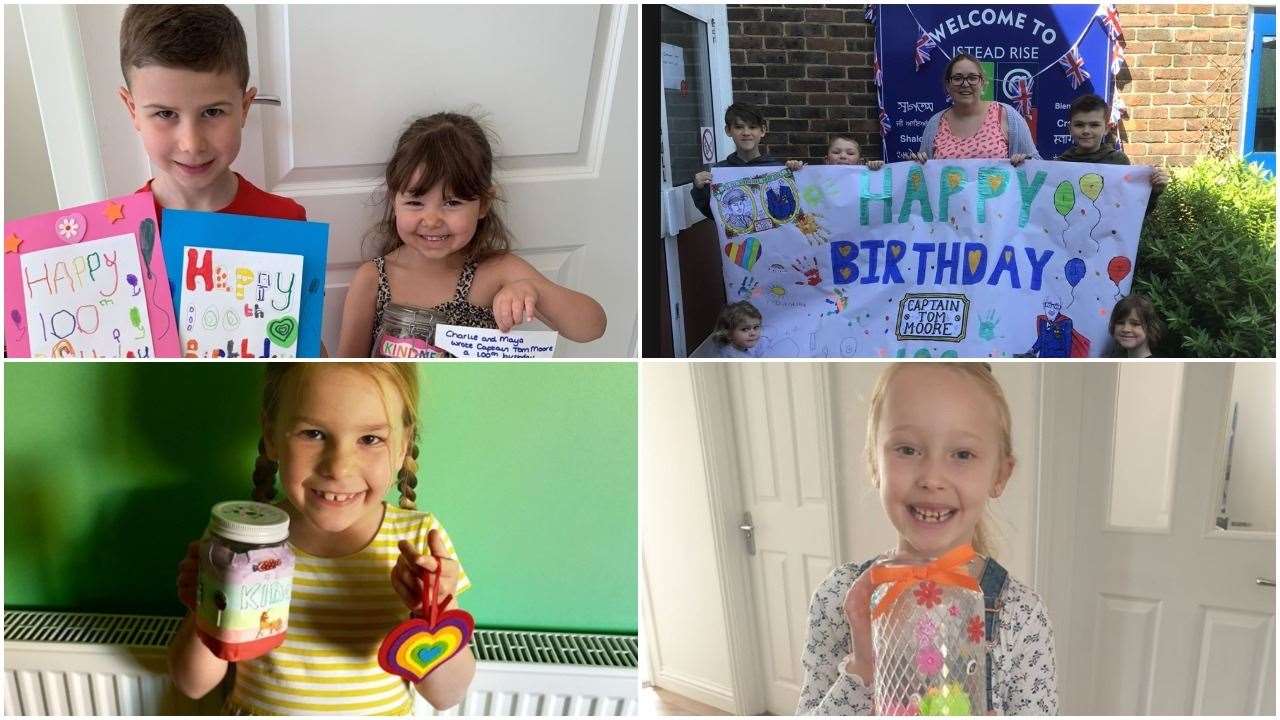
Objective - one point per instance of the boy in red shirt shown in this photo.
(186, 73)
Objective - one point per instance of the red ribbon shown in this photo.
(941, 571)
(431, 609)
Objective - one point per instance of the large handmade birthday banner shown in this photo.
(246, 287)
(954, 258)
(88, 281)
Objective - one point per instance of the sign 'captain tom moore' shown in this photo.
(953, 258)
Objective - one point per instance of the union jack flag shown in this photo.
(1110, 21)
(924, 44)
(1023, 98)
(875, 68)
(885, 126)
(1117, 111)
(1074, 65)
(1117, 58)
(870, 14)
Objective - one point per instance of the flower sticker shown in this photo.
(953, 611)
(926, 630)
(929, 660)
(975, 629)
(928, 594)
(70, 227)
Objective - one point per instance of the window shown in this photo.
(1260, 103)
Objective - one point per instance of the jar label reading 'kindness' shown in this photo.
(243, 597)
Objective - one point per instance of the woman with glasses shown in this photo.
(972, 127)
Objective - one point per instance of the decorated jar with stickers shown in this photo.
(929, 634)
(408, 332)
(245, 580)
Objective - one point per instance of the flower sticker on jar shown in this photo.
(928, 594)
(976, 629)
(926, 630)
(929, 660)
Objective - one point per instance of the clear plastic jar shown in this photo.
(245, 580)
(408, 332)
(930, 643)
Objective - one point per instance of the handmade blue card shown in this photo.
(244, 286)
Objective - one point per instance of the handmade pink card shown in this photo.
(88, 282)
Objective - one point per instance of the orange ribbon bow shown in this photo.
(941, 571)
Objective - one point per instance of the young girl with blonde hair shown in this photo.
(939, 446)
(337, 435)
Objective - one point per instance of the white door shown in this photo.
(696, 90)
(1158, 611)
(782, 426)
(557, 83)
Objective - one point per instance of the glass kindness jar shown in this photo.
(408, 332)
(929, 635)
(245, 580)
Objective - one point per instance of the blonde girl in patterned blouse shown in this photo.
(337, 435)
(443, 247)
(939, 446)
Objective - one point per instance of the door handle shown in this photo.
(266, 100)
(1265, 582)
(748, 533)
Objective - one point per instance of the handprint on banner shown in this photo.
(809, 224)
(750, 288)
(838, 302)
(812, 274)
(987, 325)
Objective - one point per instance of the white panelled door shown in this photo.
(556, 83)
(1163, 612)
(782, 429)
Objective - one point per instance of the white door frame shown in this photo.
(678, 211)
(61, 83)
(1061, 427)
(711, 388)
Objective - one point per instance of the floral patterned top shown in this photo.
(1024, 674)
(988, 142)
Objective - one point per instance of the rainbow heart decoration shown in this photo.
(744, 254)
(415, 647)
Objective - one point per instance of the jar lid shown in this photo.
(249, 522)
(412, 314)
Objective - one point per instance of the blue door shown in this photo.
(1260, 111)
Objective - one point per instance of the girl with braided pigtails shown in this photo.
(336, 435)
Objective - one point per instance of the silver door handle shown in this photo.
(266, 100)
(1265, 582)
(748, 532)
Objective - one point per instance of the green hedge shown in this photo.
(1207, 260)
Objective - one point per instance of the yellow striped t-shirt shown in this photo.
(340, 611)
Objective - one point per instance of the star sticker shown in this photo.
(114, 211)
(11, 243)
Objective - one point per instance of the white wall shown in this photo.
(866, 531)
(28, 186)
(689, 645)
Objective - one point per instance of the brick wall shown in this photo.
(809, 68)
(1183, 80)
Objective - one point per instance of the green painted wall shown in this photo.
(110, 469)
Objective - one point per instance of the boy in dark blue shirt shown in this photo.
(747, 127)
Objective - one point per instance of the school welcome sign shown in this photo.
(1037, 58)
(954, 258)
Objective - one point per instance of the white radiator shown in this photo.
(94, 664)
